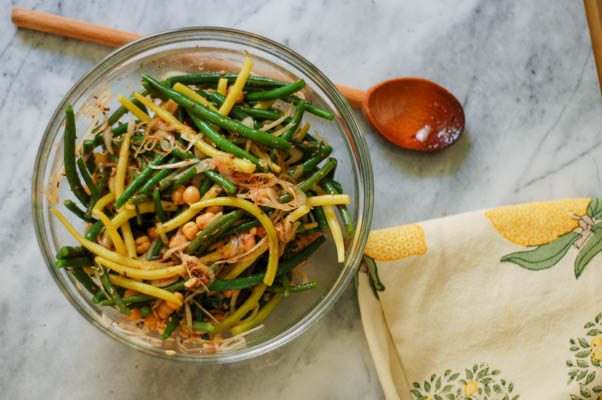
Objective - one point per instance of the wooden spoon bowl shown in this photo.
(414, 113)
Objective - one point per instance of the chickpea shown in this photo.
(177, 240)
(214, 209)
(204, 219)
(177, 196)
(165, 309)
(191, 195)
(190, 229)
(239, 99)
(152, 233)
(142, 244)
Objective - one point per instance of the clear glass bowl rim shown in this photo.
(364, 177)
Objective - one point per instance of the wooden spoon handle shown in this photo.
(73, 28)
(593, 11)
(83, 30)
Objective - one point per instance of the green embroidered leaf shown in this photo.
(433, 377)
(454, 377)
(416, 385)
(437, 397)
(450, 397)
(495, 372)
(487, 390)
(573, 397)
(589, 325)
(510, 387)
(480, 391)
(482, 373)
(598, 318)
(447, 372)
(447, 388)
(438, 384)
(569, 363)
(590, 378)
(544, 256)
(583, 354)
(506, 397)
(582, 364)
(594, 332)
(581, 375)
(572, 341)
(591, 248)
(594, 208)
(597, 389)
(427, 386)
(497, 388)
(416, 393)
(486, 381)
(516, 397)
(503, 382)
(583, 343)
(574, 348)
(585, 392)
(469, 374)
(475, 367)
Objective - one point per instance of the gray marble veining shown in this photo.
(523, 71)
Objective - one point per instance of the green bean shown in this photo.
(288, 135)
(276, 93)
(315, 110)
(155, 250)
(240, 228)
(203, 326)
(220, 120)
(205, 186)
(69, 158)
(218, 178)
(74, 262)
(311, 163)
(303, 287)
(71, 252)
(88, 149)
(320, 219)
(158, 206)
(214, 228)
(138, 199)
(217, 99)
(201, 78)
(219, 285)
(185, 177)
(85, 280)
(94, 231)
(138, 182)
(182, 155)
(145, 311)
(292, 261)
(112, 292)
(121, 110)
(312, 180)
(330, 188)
(141, 298)
(171, 326)
(83, 170)
(71, 206)
(261, 114)
(157, 177)
(307, 147)
(285, 266)
(223, 143)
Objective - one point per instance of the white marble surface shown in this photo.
(523, 70)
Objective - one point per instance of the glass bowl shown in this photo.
(197, 49)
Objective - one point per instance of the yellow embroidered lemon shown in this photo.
(596, 342)
(596, 357)
(534, 224)
(396, 243)
(470, 388)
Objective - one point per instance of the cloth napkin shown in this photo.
(497, 304)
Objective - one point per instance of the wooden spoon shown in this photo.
(412, 113)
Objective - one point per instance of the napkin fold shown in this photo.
(497, 304)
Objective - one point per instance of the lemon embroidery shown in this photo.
(534, 224)
(395, 243)
(584, 367)
(554, 227)
(478, 382)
